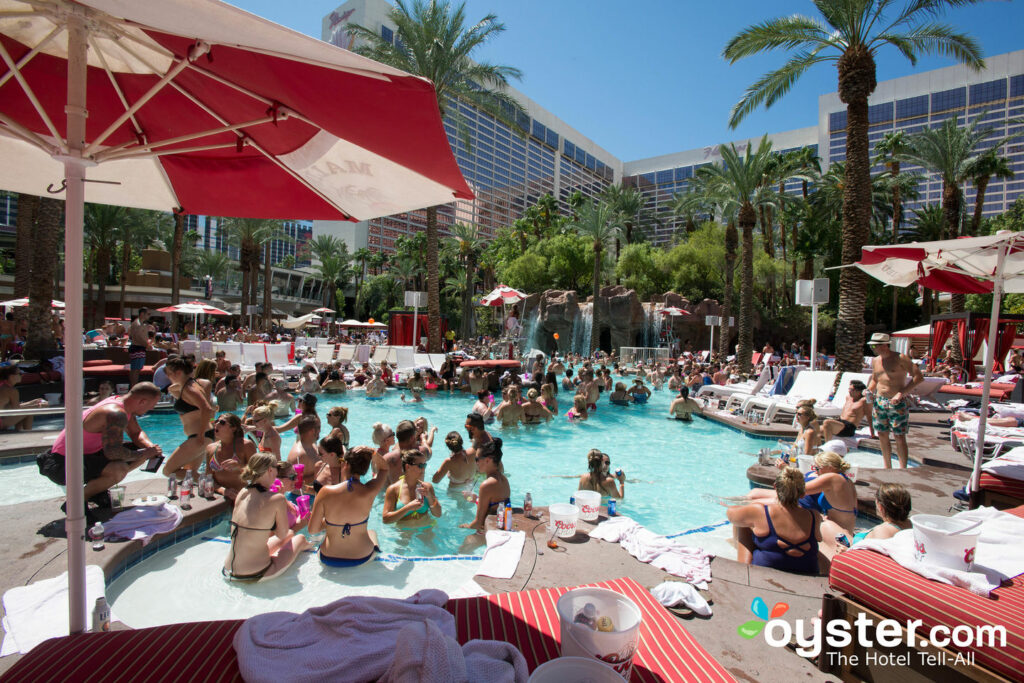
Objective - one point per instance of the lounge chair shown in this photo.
(718, 392)
(324, 355)
(816, 384)
(278, 355)
(404, 359)
(875, 585)
(188, 346)
(232, 351)
(206, 350)
(362, 354)
(830, 407)
(347, 354)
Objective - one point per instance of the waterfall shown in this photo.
(652, 326)
(532, 330)
(581, 328)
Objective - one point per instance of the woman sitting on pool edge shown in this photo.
(779, 534)
(411, 501)
(494, 489)
(228, 454)
(349, 541)
(598, 478)
(262, 545)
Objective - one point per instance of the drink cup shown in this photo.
(302, 502)
(117, 494)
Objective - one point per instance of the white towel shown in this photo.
(142, 523)
(1009, 465)
(671, 593)
(687, 562)
(424, 653)
(999, 554)
(39, 611)
(504, 549)
(282, 646)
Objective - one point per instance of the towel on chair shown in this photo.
(504, 549)
(687, 562)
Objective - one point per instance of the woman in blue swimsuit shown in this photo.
(832, 494)
(780, 534)
(343, 510)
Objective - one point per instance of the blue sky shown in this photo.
(646, 77)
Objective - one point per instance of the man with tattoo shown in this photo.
(107, 458)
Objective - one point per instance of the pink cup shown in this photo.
(300, 470)
(302, 502)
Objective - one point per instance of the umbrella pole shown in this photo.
(74, 211)
(990, 353)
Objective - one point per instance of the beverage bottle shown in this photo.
(96, 534)
(501, 515)
(186, 492)
(618, 472)
(611, 508)
(172, 487)
(528, 504)
(508, 515)
(587, 616)
(572, 500)
(101, 615)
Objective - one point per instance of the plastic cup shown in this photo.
(589, 503)
(302, 502)
(116, 497)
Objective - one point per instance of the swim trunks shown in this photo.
(890, 416)
(136, 356)
(849, 429)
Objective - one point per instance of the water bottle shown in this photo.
(572, 499)
(186, 492)
(208, 485)
(528, 505)
(501, 515)
(96, 534)
(172, 487)
(101, 615)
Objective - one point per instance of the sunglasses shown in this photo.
(481, 457)
(221, 422)
(421, 465)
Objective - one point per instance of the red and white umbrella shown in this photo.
(502, 295)
(193, 307)
(971, 265)
(17, 303)
(323, 309)
(672, 310)
(200, 107)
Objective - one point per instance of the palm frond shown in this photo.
(936, 39)
(785, 32)
(771, 87)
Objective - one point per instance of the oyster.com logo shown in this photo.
(760, 609)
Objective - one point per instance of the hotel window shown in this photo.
(913, 106)
(570, 149)
(988, 92)
(387, 34)
(837, 120)
(949, 99)
(665, 176)
(538, 131)
(1017, 86)
(552, 139)
(880, 112)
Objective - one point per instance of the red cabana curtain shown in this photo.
(1006, 340)
(980, 334)
(942, 329)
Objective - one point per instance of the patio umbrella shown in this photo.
(194, 308)
(323, 309)
(971, 265)
(502, 295)
(199, 107)
(15, 303)
(673, 311)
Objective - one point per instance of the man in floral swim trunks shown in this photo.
(891, 412)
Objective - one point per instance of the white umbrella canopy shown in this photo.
(994, 263)
(502, 295)
(199, 107)
(17, 303)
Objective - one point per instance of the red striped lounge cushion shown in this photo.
(1007, 487)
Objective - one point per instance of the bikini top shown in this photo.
(181, 406)
(236, 526)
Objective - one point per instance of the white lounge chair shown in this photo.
(324, 354)
(405, 359)
(278, 355)
(188, 346)
(808, 384)
(206, 349)
(720, 391)
(362, 354)
(232, 351)
(829, 407)
(346, 354)
(735, 402)
(253, 354)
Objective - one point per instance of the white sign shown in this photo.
(416, 299)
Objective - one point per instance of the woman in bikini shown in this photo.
(336, 418)
(494, 489)
(598, 478)
(410, 501)
(306, 407)
(228, 454)
(193, 406)
(343, 511)
(533, 411)
(263, 426)
(578, 410)
(426, 434)
(262, 545)
(548, 398)
(460, 469)
(509, 411)
(328, 467)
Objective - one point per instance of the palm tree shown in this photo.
(362, 256)
(628, 202)
(134, 233)
(738, 179)
(39, 342)
(177, 245)
(249, 235)
(927, 226)
(849, 33)
(889, 149)
(322, 246)
(213, 263)
(466, 237)
(102, 229)
(599, 223)
(987, 166)
(405, 271)
(433, 41)
(24, 246)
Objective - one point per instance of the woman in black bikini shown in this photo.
(494, 489)
(193, 406)
(533, 411)
(228, 454)
(336, 418)
(343, 510)
(262, 545)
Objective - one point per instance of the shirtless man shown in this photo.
(375, 388)
(230, 395)
(477, 433)
(305, 451)
(891, 413)
(557, 367)
(10, 400)
(855, 410)
(138, 334)
(407, 437)
(509, 412)
(107, 460)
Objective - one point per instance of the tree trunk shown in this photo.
(268, 281)
(745, 349)
(980, 186)
(176, 248)
(856, 82)
(768, 232)
(40, 343)
(126, 256)
(731, 242)
(594, 327)
(618, 280)
(951, 228)
(102, 275)
(467, 297)
(433, 285)
(24, 245)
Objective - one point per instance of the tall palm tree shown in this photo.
(250, 235)
(738, 179)
(177, 247)
(628, 202)
(889, 149)
(39, 342)
(405, 271)
(849, 33)
(466, 236)
(102, 229)
(987, 166)
(322, 246)
(599, 223)
(432, 40)
(24, 246)
(213, 263)
(362, 256)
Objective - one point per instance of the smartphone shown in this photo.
(153, 464)
(841, 539)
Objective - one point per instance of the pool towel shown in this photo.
(999, 554)
(39, 611)
(671, 593)
(687, 562)
(504, 549)
(424, 653)
(142, 523)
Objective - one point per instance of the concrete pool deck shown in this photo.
(33, 556)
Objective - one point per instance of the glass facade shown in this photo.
(213, 237)
(995, 103)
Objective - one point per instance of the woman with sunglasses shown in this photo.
(411, 501)
(228, 454)
(263, 424)
(262, 545)
(196, 412)
(494, 489)
(384, 438)
(336, 418)
(343, 511)
(599, 479)
(807, 429)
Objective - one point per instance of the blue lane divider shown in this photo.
(699, 530)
